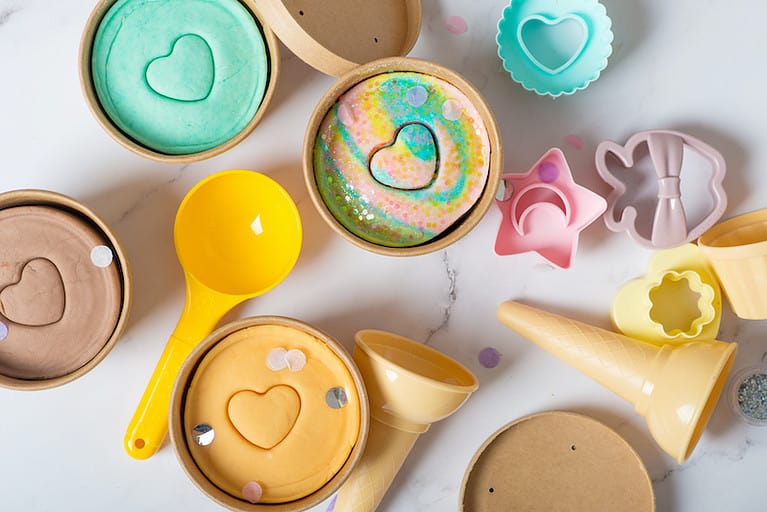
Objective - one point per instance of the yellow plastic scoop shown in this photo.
(237, 235)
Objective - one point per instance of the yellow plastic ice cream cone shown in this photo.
(674, 387)
(410, 386)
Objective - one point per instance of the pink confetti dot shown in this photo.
(456, 25)
(345, 114)
(452, 110)
(574, 141)
(252, 491)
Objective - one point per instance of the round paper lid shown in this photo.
(556, 461)
(335, 37)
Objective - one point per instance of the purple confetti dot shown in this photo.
(489, 357)
(3, 331)
(416, 95)
(332, 504)
(548, 172)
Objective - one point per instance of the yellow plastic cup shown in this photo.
(237, 235)
(737, 250)
(410, 386)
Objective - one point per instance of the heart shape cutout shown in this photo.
(553, 44)
(409, 161)
(265, 419)
(186, 73)
(37, 298)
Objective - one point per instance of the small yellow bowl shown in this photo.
(737, 249)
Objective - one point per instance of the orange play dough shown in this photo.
(271, 426)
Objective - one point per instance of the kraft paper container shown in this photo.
(70, 206)
(403, 64)
(180, 438)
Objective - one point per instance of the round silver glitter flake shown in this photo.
(203, 434)
(749, 395)
(336, 398)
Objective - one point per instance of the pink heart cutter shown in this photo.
(544, 210)
(666, 150)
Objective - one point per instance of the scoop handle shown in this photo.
(149, 425)
(203, 308)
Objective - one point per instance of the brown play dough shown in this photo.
(58, 306)
(556, 461)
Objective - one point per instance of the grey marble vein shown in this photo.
(136, 205)
(447, 310)
(6, 14)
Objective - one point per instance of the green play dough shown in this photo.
(180, 76)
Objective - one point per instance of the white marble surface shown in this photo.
(688, 65)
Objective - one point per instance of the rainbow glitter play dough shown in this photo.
(180, 76)
(400, 158)
(261, 397)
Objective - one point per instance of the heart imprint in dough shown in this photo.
(409, 162)
(265, 419)
(37, 298)
(184, 74)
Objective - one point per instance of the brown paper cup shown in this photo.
(180, 438)
(86, 82)
(43, 329)
(402, 64)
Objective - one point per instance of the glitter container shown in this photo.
(65, 289)
(748, 395)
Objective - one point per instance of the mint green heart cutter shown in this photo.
(554, 47)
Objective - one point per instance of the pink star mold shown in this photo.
(668, 222)
(544, 211)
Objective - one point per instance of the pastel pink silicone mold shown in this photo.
(669, 223)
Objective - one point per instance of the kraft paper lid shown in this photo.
(556, 461)
(335, 37)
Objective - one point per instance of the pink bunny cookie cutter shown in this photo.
(544, 211)
(670, 227)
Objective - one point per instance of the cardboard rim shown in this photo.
(89, 91)
(405, 64)
(533, 417)
(178, 436)
(33, 197)
(311, 51)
